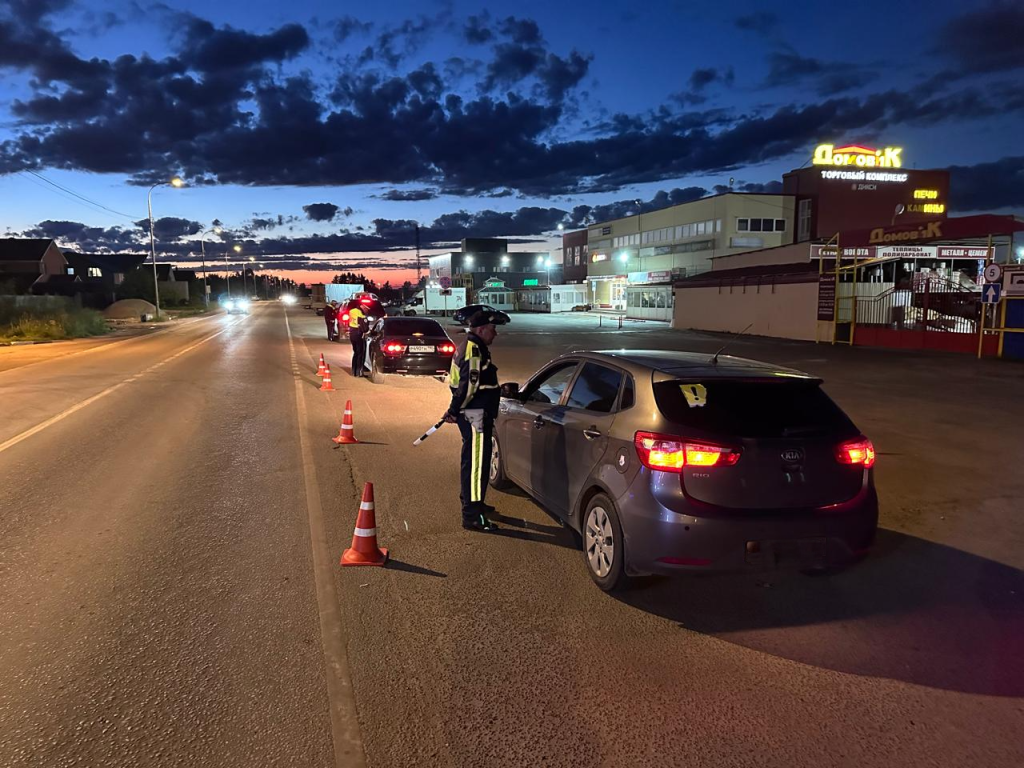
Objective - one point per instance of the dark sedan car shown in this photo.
(409, 346)
(668, 462)
(462, 316)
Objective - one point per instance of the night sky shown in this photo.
(318, 133)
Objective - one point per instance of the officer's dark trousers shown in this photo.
(358, 352)
(476, 432)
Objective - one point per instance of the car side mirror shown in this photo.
(510, 390)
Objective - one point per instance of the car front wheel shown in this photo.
(603, 547)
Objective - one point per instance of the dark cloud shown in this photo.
(86, 237)
(347, 26)
(762, 22)
(987, 39)
(409, 195)
(789, 69)
(320, 211)
(521, 31)
(209, 49)
(699, 81)
(398, 42)
(170, 227)
(477, 30)
(987, 186)
(250, 124)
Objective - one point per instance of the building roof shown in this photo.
(185, 274)
(164, 272)
(800, 271)
(23, 249)
(108, 262)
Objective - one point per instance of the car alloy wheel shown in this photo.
(496, 472)
(600, 542)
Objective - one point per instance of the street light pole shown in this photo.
(202, 247)
(175, 182)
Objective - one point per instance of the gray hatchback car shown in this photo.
(670, 462)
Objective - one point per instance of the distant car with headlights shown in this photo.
(408, 346)
(237, 306)
(671, 462)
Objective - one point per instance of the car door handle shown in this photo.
(592, 433)
(539, 422)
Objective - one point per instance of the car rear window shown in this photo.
(407, 326)
(752, 408)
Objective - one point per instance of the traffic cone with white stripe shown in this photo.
(364, 549)
(323, 366)
(346, 434)
(326, 385)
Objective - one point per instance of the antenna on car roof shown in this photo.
(714, 357)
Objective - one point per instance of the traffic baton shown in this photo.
(429, 432)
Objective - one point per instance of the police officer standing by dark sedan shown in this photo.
(474, 383)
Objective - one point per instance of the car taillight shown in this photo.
(858, 451)
(344, 318)
(446, 349)
(393, 349)
(670, 454)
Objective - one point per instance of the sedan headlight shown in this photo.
(242, 304)
(229, 304)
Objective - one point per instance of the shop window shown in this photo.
(755, 225)
(661, 299)
(742, 225)
(780, 225)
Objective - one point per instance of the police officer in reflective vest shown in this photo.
(356, 329)
(474, 383)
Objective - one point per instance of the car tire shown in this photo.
(410, 313)
(496, 472)
(603, 545)
(377, 376)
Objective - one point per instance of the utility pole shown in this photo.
(419, 263)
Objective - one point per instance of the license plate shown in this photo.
(420, 348)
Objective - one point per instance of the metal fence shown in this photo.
(923, 304)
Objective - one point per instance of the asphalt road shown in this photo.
(172, 510)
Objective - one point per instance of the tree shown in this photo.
(138, 284)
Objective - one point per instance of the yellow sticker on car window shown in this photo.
(696, 395)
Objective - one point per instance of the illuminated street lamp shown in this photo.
(177, 183)
(227, 266)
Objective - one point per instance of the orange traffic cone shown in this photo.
(323, 366)
(346, 435)
(325, 385)
(364, 549)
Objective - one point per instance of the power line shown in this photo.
(80, 197)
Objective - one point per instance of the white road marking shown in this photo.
(348, 744)
(108, 344)
(100, 395)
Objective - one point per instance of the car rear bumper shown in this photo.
(662, 540)
(433, 365)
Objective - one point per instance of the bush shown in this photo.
(50, 320)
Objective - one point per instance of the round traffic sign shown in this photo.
(993, 272)
(446, 282)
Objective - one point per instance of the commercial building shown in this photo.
(641, 255)
(481, 259)
(575, 254)
(908, 275)
(855, 187)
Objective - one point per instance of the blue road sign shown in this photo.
(990, 293)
